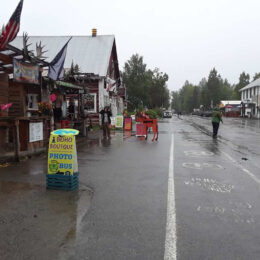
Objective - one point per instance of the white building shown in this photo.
(250, 99)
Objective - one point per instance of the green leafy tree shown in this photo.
(145, 88)
(196, 97)
(183, 100)
(135, 79)
(175, 104)
(158, 91)
(208, 91)
(204, 93)
(187, 97)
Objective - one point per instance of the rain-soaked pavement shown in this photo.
(120, 209)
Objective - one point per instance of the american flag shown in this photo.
(10, 31)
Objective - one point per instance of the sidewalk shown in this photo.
(10, 156)
(40, 223)
(36, 221)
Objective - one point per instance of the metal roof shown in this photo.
(92, 54)
(253, 84)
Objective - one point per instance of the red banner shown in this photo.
(140, 129)
(128, 123)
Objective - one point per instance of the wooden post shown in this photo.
(84, 130)
(16, 141)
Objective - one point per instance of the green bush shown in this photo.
(153, 113)
(96, 128)
(129, 113)
(159, 112)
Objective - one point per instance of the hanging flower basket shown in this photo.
(45, 108)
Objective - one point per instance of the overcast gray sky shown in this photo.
(184, 38)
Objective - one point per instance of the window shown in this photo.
(106, 101)
(32, 101)
(90, 102)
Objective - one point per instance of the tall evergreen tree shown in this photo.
(256, 76)
(244, 79)
(214, 88)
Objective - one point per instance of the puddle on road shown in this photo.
(35, 221)
(191, 139)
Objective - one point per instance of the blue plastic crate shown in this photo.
(62, 182)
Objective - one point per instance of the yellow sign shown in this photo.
(119, 121)
(62, 155)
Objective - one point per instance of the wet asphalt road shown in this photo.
(217, 192)
(120, 210)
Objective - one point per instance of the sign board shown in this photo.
(90, 102)
(62, 155)
(254, 99)
(26, 72)
(113, 120)
(128, 123)
(35, 132)
(119, 121)
(140, 129)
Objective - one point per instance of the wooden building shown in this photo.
(22, 129)
(96, 57)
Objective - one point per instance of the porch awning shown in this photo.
(68, 85)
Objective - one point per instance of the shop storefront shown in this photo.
(71, 105)
(24, 130)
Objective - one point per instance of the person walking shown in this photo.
(216, 118)
(106, 121)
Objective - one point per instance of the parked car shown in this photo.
(207, 113)
(196, 113)
(167, 114)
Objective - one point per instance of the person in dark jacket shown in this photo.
(216, 118)
(106, 121)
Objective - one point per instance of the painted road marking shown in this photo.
(238, 214)
(198, 153)
(210, 184)
(201, 166)
(170, 252)
(250, 174)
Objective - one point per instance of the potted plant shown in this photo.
(45, 108)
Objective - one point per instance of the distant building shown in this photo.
(230, 108)
(250, 99)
